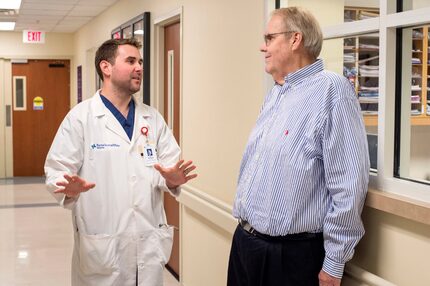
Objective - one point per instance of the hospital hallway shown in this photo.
(36, 237)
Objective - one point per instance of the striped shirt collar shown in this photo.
(303, 73)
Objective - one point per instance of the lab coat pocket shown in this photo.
(165, 237)
(97, 253)
(157, 245)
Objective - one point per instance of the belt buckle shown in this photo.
(246, 226)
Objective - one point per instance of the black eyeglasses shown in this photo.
(269, 37)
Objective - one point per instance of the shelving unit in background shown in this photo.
(361, 67)
(420, 82)
(361, 64)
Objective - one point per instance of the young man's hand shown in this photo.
(178, 174)
(73, 186)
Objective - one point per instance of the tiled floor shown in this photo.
(36, 236)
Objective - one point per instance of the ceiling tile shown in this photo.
(97, 2)
(40, 17)
(51, 1)
(75, 20)
(34, 21)
(46, 6)
(57, 15)
(64, 28)
(42, 12)
(87, 10)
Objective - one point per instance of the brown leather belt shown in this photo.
(294, 236)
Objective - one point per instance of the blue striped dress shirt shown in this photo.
(306, 164)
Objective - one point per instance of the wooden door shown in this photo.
(171, 115)
(47, 101)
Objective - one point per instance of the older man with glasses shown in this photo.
(304, 174)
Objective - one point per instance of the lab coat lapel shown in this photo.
(141, 118)
(113, 124)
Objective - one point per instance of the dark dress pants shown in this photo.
(255, 261)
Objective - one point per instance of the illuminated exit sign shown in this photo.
(34, 37)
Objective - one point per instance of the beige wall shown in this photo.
(57, 46)
(363, 3)
(205, 250)
(395, 248)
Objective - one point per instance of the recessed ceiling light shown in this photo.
(10, 4)
(7, 26)
(22, 254)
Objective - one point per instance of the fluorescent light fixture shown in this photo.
(138, 32)
(10, 4)
(7, 26)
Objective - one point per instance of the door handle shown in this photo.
(8, 116)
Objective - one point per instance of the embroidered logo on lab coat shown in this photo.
(104, 146)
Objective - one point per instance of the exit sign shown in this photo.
(34, 37)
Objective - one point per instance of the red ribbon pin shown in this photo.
(144, 130)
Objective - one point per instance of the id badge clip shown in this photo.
(148, 151)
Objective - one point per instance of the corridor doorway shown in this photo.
(172, 116)
(41, 99)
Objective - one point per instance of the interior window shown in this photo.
(413, 104)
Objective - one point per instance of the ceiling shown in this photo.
(62, 16)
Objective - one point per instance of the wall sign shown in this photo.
(37, 103)
(33, 37)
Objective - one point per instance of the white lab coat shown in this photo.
(120, 225)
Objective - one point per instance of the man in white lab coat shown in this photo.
(110, 161)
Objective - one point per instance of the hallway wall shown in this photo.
(394, 248)
(56, 46)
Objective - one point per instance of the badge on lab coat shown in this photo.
(149, 154)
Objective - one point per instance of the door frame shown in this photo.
(157, 94)
(6, 110)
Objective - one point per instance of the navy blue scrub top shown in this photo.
(126, 123)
